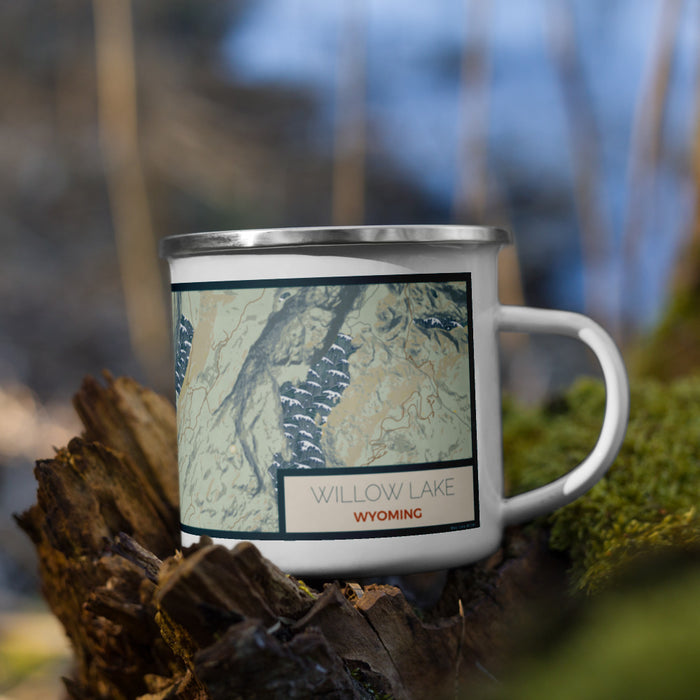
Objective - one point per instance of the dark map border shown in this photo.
(394, 532)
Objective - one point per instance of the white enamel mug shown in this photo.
(338, 395)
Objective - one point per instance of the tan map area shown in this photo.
(408, 401)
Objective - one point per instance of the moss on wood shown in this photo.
(647, 501)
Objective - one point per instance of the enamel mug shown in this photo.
(338, 395)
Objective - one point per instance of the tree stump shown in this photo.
(149, 621)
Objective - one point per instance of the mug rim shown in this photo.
(219, 242)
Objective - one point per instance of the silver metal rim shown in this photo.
(216, 242)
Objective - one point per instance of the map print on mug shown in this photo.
(339, 407)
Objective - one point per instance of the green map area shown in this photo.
(314, 376)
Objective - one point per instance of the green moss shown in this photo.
(304, 588)
(672, 349)
(639, 641)
(359, 678)
(648, 499)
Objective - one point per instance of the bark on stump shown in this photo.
(148, 621)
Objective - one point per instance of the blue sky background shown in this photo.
(414, 116)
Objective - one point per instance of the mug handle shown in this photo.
(567, 488)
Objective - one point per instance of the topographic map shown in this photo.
(313, 376)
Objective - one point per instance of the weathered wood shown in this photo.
(140, 425)
(148, 621)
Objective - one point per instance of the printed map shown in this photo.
(313, 376)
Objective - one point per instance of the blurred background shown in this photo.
(575, 123)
